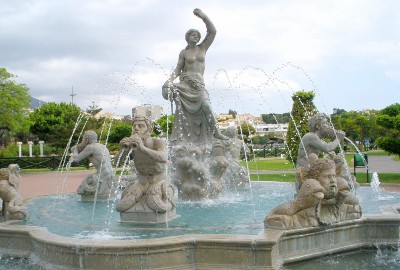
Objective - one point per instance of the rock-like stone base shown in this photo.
(148, 217)
(270, 249)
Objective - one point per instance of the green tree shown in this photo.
(94, 123)
(93, 109)
(389, 118)
(54, 123)
(358, 126)
(119, 130)
(303, 108)
(337, 111)
(276, 118)
(164, 125)
(233, 113)
(261, 139)
(14, 99)
(247, 130)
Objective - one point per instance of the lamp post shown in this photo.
(72, 95)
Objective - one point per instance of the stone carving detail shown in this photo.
(324, 197)
(189, 172)
(13, 207)
(300, 212)
(150, 198)
(313, 141)
(236, 176)
(102, 181)
(197, 170)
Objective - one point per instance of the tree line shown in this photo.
(54, 122)
(380, 128)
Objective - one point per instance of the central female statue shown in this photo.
(194, 119)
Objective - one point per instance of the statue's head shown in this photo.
(315, 122)
(8, 173)
(13, 168)
(142, 125)
(90, 137)
(189, 32)
(324, 171)
(319, 124)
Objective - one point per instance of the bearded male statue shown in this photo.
(100, 185)
(151, 198)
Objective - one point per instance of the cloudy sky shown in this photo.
(116, 54)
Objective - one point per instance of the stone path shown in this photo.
(39, 184)
(381, 164)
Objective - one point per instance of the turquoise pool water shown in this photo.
(234, 212)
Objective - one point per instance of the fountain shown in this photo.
(204, 226)
(375, 186)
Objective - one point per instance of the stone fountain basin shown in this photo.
(264, 249)
(267, 250)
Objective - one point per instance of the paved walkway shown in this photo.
(39, 184)
(384, 164)
(379, 164)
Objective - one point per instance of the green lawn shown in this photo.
(279, 164)
(388, 178)
(269, 164)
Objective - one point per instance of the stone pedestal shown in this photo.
(143, 202)
(91, 197)
(148, 217)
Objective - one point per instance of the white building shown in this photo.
(109, 116)
(263, 129)
(227, 120)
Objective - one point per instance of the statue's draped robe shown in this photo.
(191, 122)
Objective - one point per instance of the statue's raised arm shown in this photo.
(211, 30)
(194, 119)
